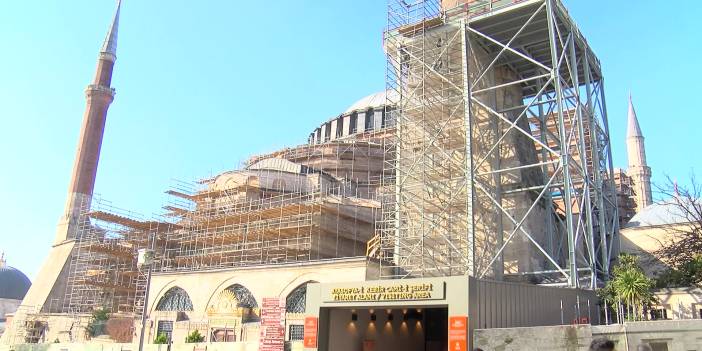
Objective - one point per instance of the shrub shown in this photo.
(161, 339)
(96, 326)
(195, 336)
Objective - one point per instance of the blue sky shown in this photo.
(203, 85)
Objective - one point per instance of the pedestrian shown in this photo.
(602, 344)
(644, 346)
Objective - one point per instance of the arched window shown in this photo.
(175, 299)
(296, 300)
(244, 297)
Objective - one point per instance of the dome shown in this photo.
(663, 213)
(365, 115)
(371, 101)
(13, 283)
(278, 164)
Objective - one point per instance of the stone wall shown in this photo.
(559, 338)
(670, 335)
(644, 241)
(663, 335)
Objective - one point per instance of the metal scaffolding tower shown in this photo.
(501, 164)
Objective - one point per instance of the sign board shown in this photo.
(272, 324)
(458, 333)
(379, 292)
(310, 333)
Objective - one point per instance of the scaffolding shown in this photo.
(27, 326)
(501, 164)
(311, 202)
(103, 273)
(31, 324)
(625, 196)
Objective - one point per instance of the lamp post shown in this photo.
(145, 260)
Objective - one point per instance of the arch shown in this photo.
(161, 291)
(244, 297)
(175, 299)
(237, 300)
(223, 287)
(295, 301)
(304, 278)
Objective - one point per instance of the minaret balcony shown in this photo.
(99, 89)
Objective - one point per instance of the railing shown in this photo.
(373, 247)
(101, 88)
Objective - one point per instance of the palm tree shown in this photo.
(629, 284)
(633, 287)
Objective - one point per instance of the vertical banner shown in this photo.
(458, 333)
(310, 334)
(272, 325)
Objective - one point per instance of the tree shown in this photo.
(195, 336)
(629, 286)
(682, 247)
(98, 319)
(161, 339)
(688, 274)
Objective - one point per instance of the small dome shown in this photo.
(662, 213)
(371, 101)
(13, 283)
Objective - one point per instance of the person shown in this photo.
(644, 346)
(602, 344)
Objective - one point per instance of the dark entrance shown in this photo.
(364, 329)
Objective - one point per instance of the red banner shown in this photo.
(458, 333)
(272, 324)
(310, 333)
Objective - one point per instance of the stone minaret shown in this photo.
(639, 171)
(49, 287)
(99, 95)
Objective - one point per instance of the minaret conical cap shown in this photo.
(110, 44)
(633, 129)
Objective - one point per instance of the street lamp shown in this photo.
(145, 260)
